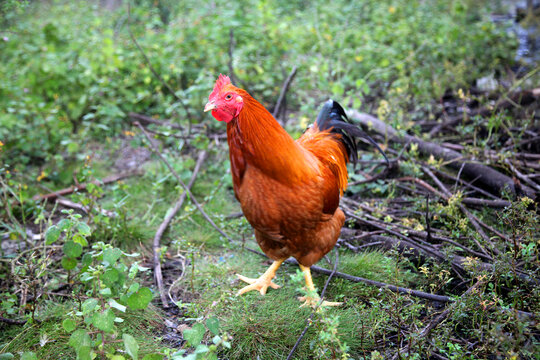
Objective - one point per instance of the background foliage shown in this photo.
(76, 284)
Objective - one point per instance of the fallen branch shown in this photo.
(71, 189)
(188, 191)
(493, 179)
(283, 93)
(230, 63)
(378, 284)
(435, 322)
(163, 226)
(148, 120)
(519, 98)
(11, 321)
(80, 207)
(472, 218)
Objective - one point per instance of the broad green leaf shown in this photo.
(29, 356)
(213, 325)
(194, 335)
(117, 306)
(79, 339)
(84, 229)
(118, 357)
(69, 325)
(52, 234)
(110, 256)
(64, 224)
(134, 287)
(72, 249)
(110, 276)
(84, 353)
(140, 299)
(86, 259)
(104, 320)
(80, 240)
(132, 348)
(68, 263)
(106, 292)
(89, 305)
(201, 349)
(8, 356)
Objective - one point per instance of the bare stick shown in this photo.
(487, 175)
(284, 90)
(73, 205)
(472, 218)
(163, 226)
(71, 189)
(189, 193)
(440, 318)
(378, 284)
(11, 321)
(232, 43)
(147, 119)
(309, 320)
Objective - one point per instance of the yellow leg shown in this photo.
(263, 282)
(312, 299)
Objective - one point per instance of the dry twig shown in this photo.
(188, 191)
(163, 226)
(283, 93)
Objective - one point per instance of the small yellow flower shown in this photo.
(328, 37)
(1, 143)
(359, 58)
(7, 171)
(461, 94)
(41, 176)
(55, 96)
(391, 9)
(304, 121)
(129, 133)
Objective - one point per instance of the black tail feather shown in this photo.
(332, 116)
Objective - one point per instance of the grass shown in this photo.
(268, 326)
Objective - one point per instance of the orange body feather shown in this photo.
(289, 190)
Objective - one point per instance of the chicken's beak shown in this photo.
(211, 105)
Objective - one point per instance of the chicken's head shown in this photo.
(225, 102)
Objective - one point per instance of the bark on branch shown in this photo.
(488, 176)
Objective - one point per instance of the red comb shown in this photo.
(220, 84)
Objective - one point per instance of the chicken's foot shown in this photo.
(312, 299)
(263, 282)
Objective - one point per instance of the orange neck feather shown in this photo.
(256, 139)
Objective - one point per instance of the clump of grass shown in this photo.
(268, 326)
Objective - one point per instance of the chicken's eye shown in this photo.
(228, 97)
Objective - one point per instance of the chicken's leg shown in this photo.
(263, 282)
(312, 299)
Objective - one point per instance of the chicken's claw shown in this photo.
(261, 284)
(313, 301)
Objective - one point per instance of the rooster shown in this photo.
(289, 190)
